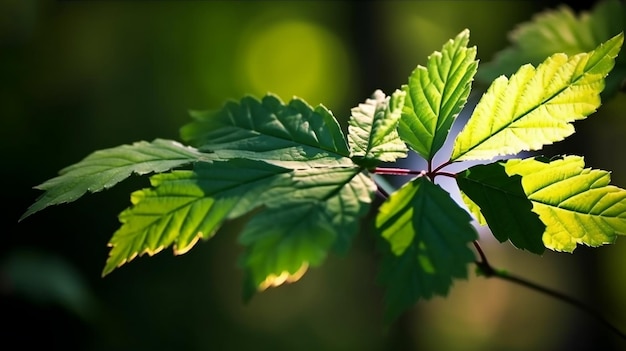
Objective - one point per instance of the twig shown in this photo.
(489, 271)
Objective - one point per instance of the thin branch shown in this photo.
(489, 271)
(396, 171)
(483, 258)
(382, 192)
(441, 166)
(445, 174)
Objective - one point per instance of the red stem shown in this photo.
(445, 174)
(396, 171)
(445, 164)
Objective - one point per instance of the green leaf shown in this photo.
(105, 168)
(346, 193)
(372, 134)
(561, 30)
(250, 143)
(426, 244)
(504, 205)
(185, 206)
(577, 204)
(473, 208)
(436, 94)
(283, 242)
(536, 106)
(293, 135)
(320, 211)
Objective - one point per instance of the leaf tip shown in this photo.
(274, 280)
(24, 216)
(108, 268)
(183, 249)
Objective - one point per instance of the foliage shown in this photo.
(561, 30)
(307, 185)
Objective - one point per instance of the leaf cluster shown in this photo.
(308, 185)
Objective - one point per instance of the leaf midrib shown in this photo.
(573, 210)
(533, 108)
(158, 216)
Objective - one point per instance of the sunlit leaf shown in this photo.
(319, 212)
(292, 135)
(104, 168)
(504, 205)
(436, 94)
(372, 134)
(283, 241)
(473, 208)
(577, 204)
(561, 30)
(536, 106)
(426, 236)
(185, 206)
(307, 189)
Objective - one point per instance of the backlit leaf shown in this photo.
(104, 168)
(283, 241)
(473, 208)
(372, 134)
(321, 211)
(537, 105)
(436, 94)
(561, 30)
(185, 206)
(426, 236)
(293, 135)
(504, 205)
(577, 204)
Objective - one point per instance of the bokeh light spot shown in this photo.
(295, 58)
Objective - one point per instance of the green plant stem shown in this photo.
(489, 271)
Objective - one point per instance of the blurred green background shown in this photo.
(84, 75)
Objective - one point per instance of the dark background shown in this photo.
(78, 76)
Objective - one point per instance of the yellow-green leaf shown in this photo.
(500, 200)
(577, 204)
(561, 30)
(186, 206)
(436, 94)
(372, 134)
(536, 106)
